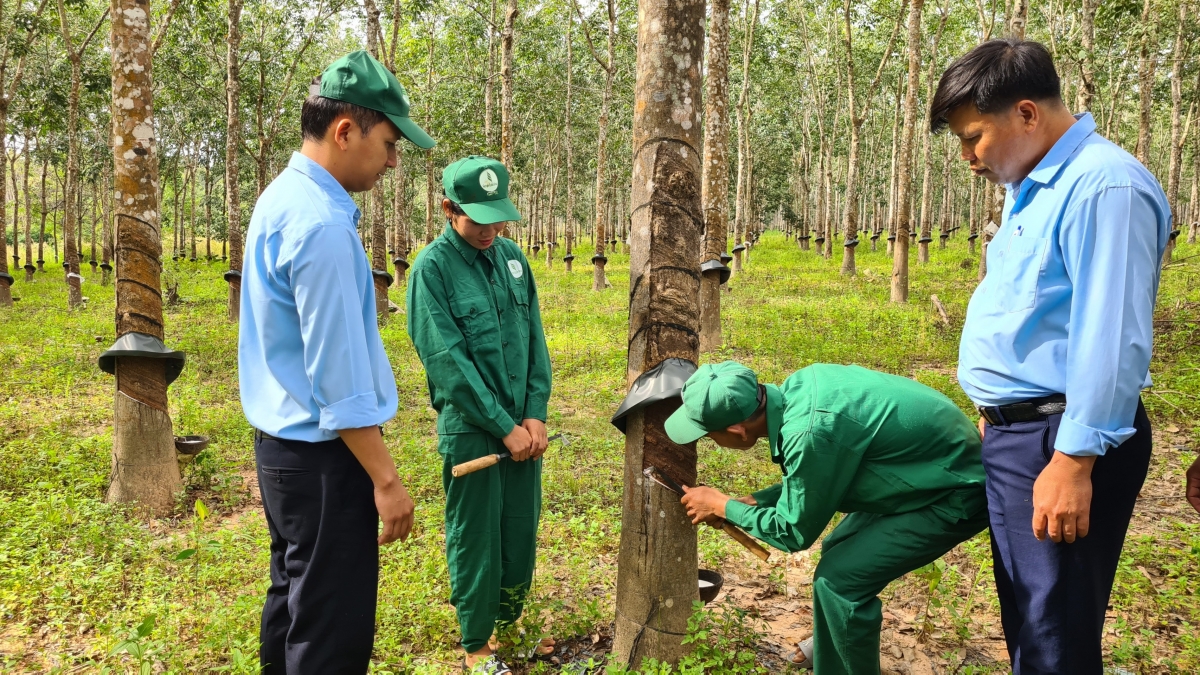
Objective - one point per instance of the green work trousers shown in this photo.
(863, 554)
(491, 534)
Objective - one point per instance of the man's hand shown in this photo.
(537, 431)
(392, 502)
(748, 500)
(395, 510)
(1193, 485)
(703, 504)
(519, 443)
(1062, 498)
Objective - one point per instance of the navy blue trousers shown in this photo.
(319, 615)
(1053, 596)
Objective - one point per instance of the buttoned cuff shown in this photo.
(535, 409)
(768, 496)
(502, 425)
(740, 514)
(355, 412)
(1079, 440)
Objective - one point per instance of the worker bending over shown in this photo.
(900, 459)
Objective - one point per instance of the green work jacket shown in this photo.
(850, 439)
(473, 317)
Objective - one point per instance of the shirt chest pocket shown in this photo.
(1020, 271)
(520, 298)
(472, 313)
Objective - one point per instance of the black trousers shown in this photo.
(1053, 596)
(319, 615)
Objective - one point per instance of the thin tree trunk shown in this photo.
(378, 223)
(899, 286)
(506, 85)
(233, 205)
(44, 211)
(1176, 160)
(569, 224)
(29, 268)
(1146, 67)
(488, 81)
(743, 142)
(144, 469)
(656, 565)
(430, 202)
(715, 173)
(1087, 64)
(857, 117)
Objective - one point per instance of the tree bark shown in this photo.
(857, 117)
(29, 268)
(714, 194)
(233, 127)
(899, 286)
(1176, 161)
(569, 224)
(378, 222)
(1146, 67)
(656, 574)
(743, 141)
(599, 231)
(430, 201)
(1087, 64)
(144, 469)
(1017, 19)
(506, 85)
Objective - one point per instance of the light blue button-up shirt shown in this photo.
(310, 359)
(1067, 306)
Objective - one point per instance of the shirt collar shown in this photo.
(327, 183)
(774, 420)
(1063, 148)
(467, 251)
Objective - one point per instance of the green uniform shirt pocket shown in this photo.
(520, 296)
(472, 312)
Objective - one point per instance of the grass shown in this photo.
(84, 587)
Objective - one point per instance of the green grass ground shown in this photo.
(80, 578)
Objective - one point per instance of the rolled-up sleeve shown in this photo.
(1110, 246)
(442, 349)
(322, 274)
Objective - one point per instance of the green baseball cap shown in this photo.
(359, 79)
(716, 396)
(480, 186)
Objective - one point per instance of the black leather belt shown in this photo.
(1025, 411)
(264, 436)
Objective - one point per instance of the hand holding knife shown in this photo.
(484, 462)
(720, 523)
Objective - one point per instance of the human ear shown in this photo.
(446, 209)
(1028, 113)
(341, 132)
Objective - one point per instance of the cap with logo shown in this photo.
(480, 186)
(360, 79)
(716, 396)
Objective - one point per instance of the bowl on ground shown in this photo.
(710, 585)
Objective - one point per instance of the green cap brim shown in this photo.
(495, 211)
(681, 429)
(412, 132)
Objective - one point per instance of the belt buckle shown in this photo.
(986, 413)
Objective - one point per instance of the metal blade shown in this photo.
(662, 479)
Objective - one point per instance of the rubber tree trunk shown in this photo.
(506, 85)
(569, 221)
(378, 223)
(656, 566)
(233, 202)
(1147, 63)
(1175, 167)
(899, 286)
(144, 469)
(600, 233)
(715, 180)
(5, 277)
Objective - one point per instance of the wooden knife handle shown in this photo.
(474, 465)
(742, 538)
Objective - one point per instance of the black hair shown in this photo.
(319, 112)
(762, 406)
(455, 208)
(993, 76)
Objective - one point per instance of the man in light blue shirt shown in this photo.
(315, 381)
(1056, 346)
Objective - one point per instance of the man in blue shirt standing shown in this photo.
(315, 381)
(1056, 346)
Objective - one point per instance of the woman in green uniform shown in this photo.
(473, 317)
(900, 459)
